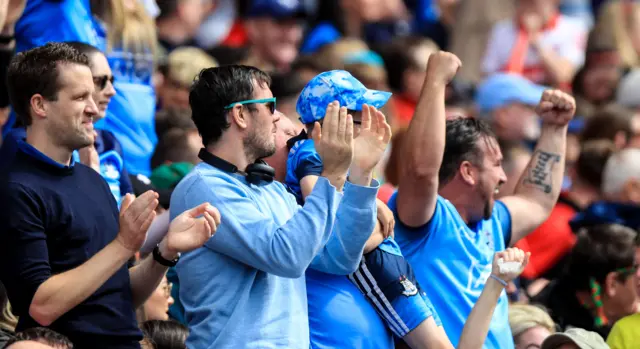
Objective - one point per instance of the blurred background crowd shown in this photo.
(511, 50)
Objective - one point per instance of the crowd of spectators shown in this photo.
(320, 173)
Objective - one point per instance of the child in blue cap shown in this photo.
(384, 276)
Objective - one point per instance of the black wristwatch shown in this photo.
(158, 258)
(6, 39)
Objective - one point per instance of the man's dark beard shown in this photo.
(255, 150)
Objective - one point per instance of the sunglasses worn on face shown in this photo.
(269, 102)
(101, 81)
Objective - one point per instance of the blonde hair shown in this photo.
(8, 321)
(333, 55)
(185, 63)
(613, 25)
(523, 317)
(131, 30)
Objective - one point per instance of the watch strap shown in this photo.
(158, 258)
(6, 39)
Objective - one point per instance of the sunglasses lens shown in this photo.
(272, 107)
(102, 81)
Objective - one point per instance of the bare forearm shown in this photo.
(375, 239)
(146, 276)
(62, 292)
(559, 69)
(426, 133)
(476, 328)
(542, 180)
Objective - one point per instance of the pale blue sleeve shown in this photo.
(501, 212)
(355, 222)
(253, 237)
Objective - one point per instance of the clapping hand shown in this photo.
(190, 230)
(511, 254)
(371, 143)
(334, 143)
(556, 108)
(136, 215)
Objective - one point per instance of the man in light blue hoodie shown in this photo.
(246, 287)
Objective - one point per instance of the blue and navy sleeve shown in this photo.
(309, 164)
(503, 215)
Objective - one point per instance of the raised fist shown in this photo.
(556, 108)
(442, 67)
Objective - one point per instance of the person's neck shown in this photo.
(40, 140)
(171, 30)
(582, 194)
(458, 199)
(231, 152)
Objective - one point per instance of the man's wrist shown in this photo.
(550, 127)
(122, 249)
(7, 37)
(166, 252)
(434, 82)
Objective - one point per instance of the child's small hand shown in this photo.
(386, 219)
(510, 255)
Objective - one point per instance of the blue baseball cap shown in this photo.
(276, 9)
(336, 85)
(502, 89)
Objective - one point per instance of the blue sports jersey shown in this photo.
(46, 21)
(303, 160)
(340, 315)
(455, 261)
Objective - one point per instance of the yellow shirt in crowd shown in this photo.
(625, 333)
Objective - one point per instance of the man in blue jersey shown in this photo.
(448, 223)
(246, 287)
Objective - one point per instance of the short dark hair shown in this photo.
(42, 335)
(214, 89)
(462, 144)
(600, 250)
(170, 118)
(83, 48)
(173, 147)
(165, 334)
(36, 71)
(592, 160)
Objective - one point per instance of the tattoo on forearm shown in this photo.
(539, 174)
